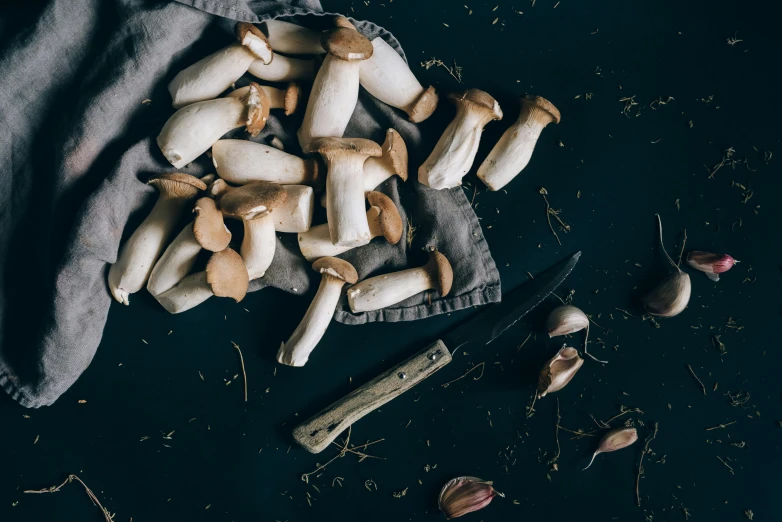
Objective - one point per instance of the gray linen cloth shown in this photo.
(82, 97)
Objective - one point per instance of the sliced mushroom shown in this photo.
(454, 153)
(344, 159)
(254, 204)
(387, 77)
(287, 99)
(242, 162)
(225, 276)
(335, 90)
(283, 69)
(308, 334)
(140, 252)
(512, 153)
(293, 215)
(383, 218)
(207, 78)
(193, 129)
(207, 231)
(385, 290)
(289, 38)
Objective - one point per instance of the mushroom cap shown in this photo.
(252, 200)
(293, 95)
(217, 189)
(543, 104)
(424, 106)
(209, 228)
(342, 21)
(328, 146)
(177, 185)
(257, 44)
(478, 99)
(439, 267)
(347, 44)
(257, 110)
(390, 220)
(338, 268)
(396, 150)
(227, 275)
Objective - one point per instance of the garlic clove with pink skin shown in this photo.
(464, 495)
(559, 371)
(616, 439)
(565, 320)
(710, 264)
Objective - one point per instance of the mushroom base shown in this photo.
(188, 293)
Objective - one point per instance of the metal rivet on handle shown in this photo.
(432, 356)
(402, 375)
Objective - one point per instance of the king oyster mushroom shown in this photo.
(387, 77)
(384, 221)
(139, 253)
(454, 153)
(225, 276)
(254, 204)
(194, 128)
(335, 90)
(242, 161)
(345, 159)
(308, 334)
(284, 69)
(287, 99)
(512, 153)
(388, 289)
(207, 78)
(289, 38)
(206, 232)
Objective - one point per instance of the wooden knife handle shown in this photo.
(319, 431)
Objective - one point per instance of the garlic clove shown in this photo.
(670, 297)
(710, 264)
(464, 495)
(616, 439)
(565, 320)
(559, 371)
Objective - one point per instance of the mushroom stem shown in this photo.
(175, 263)
(287, 99)
(289, 38)
(283, 69)
(295, 214)
(316, 242)
(387, 77)
(376, 171)
(386, 290)
(313, 325)
(188, 293)
(258, 245)
(513, 151)
(242, 162)
(454, 153)
(345, 211)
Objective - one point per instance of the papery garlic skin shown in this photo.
(559, 371)
(616, 439)
(565, 320)
(710, 264)
(464, 495)
(670, 297)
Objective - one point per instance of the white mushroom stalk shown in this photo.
(313, 325)
(512, 153)
(140, 252)
(335, 90)
(454, 153)
(289, 38)
(207, 231)
(387, 77)
(254, 204)
(386, 290)
(241, 162)
(345, 212)
(207, 78)
(383, 219)
(225, 276)
(193, 129)
(284, 69)
(287, 99)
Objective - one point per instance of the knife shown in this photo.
(317, 433)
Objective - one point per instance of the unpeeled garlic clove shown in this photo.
(559, 371)
(464, 495)
(615, 439)
(565, 320)
(710, 264)
(670, 297)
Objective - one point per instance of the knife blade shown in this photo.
(318, 432)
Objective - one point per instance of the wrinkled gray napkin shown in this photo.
(78, 138)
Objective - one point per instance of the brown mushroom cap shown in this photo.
(330, 146)
(478, 99)
(424, 106)
(252, 200)
(338, 268)
(177, 185)
(293, 95)
(347, 44)
(390, 220)
(395, 150)
(241, 30)
(543, 104)
(208, 227)
(257, 110)
(227, 275)
(440, 269)
(341, 21)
